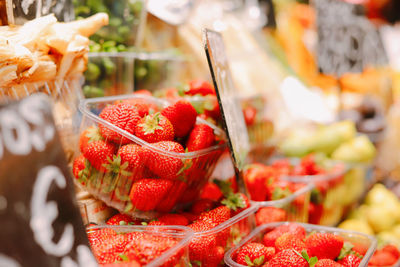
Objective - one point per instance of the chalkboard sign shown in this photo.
(231, 111)
(20, 11)
(267, 6)
(39, 220)
(347, 40)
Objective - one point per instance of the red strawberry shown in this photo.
(170, 200)
(109, 250)
(147, 193)
(236, 202)
(350, 261)
(212, 110)
(89, 135)
(132, 157)
(391, 249)
(360, 248)
(249, 114)
(324, 245)
(143, 106)
(289, 241)
(190, 217)
(202, 136)
(99, 236)
(256, 177)
(293, 228)
(201, 244)
(254, 254)
(154, 128)
(214, 258)
(382, 258)
(216, 216)
(163, 165)
(288, 258)
(99, 154)
(174, 219)
(270, 214)
(315, 212)
(78, 166)
(200, 87)
(156, 223)
(182, 115)
(328, 263)
(142, 92)
(120, 219)
(124, 116)
(211, 191)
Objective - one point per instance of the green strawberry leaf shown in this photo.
(280, 193)
(234, 201)
(248, 261)
(313, 261)
(304, 254)
(124, 257)
(347, 249)
(128, 207)
(122, 223)
(144, 223)
(259, 261)
(316, 196)
(182, 88)
(198, 263)
(225, 187)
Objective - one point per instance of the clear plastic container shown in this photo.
(94, 211)
(230, 231)
(258, 233)
(195, 167)
(292, 208)
(65, 96)
(176, 255)
(111, 74)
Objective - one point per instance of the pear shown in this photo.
(299, 143)
(360, 214)
(379, 195)
(388, 238)
(357, 225)
(358, 150)
(355, 185)
(396, 231)
(380, 219)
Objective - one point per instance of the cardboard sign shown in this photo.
(231, 111)
(347, 40)
(39, 220)
(20, 11)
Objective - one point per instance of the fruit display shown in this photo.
(379, 215)
(140, 245)
(297, 244)
(141, 155)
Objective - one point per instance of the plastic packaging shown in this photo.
(196, 167)
(351, 236)
(180, 234)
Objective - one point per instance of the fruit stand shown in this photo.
(199, 133)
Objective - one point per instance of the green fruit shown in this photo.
(380, 219)
(298, 144)
(380, 196)
(355, 185)
(357, 225)
(358, 150)
(360, 213)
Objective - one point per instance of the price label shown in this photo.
(231, 112)
(347, 40)
(20, 11)
(40, 221)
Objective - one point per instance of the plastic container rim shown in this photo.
(161, 56)
(323, 229)
(83, 107)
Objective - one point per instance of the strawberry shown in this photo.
(200, 87)
(391, 249)
(120, 219)
(360, 248)
(89, 135)
(315, 212)
(147, 193)
(201, 244)
(249, 114)
(124, 116)
(382, 258)
(215, 257)
(216, 216)
(270, 214)
(154, 128)
(99, 154)
(78, 166)
(202, 136)
(142, 106)
(182, 115)
(212, 109)
(254, 254)
(132, 158)
(289, 241)
(287, 258)
(166, 167)
(211, 191)
(99, 236)
(236, 202)
(350, 261)
(175, 192)
(256, 177)
(324, 245)
(174, 219)
(142, 92)
(190, 217)
(109, 250)
(328, 263)
(293, 228)
(156, 223)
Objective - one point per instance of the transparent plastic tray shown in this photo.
(181, 234)
(111, 74)
(295, 206)
(196, 168)
(351, 236)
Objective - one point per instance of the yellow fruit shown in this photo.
(357, 150)
(380, 218)
(396, 231)
(360, 213)
(381, 196)
(357, 225)
(388, 238)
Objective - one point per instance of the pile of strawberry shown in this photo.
(133, 249)
(389, 255)
(214, 206)
(144, 175)
(289, 245)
